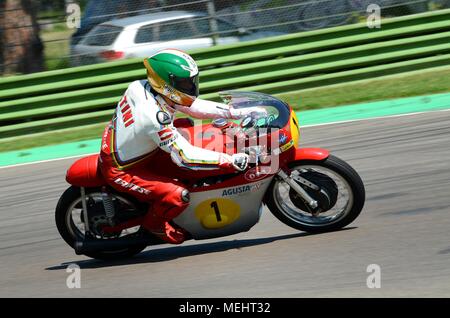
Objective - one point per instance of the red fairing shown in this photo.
(85, 173)
(311, 154)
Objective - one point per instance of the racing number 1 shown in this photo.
(215, 206)
(216, 213)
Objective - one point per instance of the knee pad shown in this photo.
(180, 200)
(178, 197)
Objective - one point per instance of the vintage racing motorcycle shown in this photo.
(305, 188)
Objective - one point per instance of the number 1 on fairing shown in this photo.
(215, 206)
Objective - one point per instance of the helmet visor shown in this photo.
(187, 85)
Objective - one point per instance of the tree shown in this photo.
(21, 48)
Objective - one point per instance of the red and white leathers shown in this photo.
(137, 147)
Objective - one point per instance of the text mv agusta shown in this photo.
(305, 188)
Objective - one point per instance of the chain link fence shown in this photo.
(117, 29)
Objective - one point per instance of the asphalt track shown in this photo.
(404, 228)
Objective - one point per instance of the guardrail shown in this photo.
(85, 95)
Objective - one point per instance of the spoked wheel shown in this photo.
(340, 196)
(71, 224)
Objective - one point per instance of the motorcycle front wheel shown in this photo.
(341, 196)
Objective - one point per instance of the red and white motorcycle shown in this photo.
(305, 188)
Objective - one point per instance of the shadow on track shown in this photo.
(171, 253)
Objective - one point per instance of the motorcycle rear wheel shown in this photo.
(343, 210)
(70, 233)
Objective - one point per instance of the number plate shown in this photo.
(217, 213)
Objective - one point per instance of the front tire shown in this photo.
(70, 233)
(339, 214)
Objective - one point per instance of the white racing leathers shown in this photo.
(144, 122)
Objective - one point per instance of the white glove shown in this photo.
(237, 113)
(240, 161)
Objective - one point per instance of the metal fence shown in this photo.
(117, 29)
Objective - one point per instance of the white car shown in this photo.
(144, 35)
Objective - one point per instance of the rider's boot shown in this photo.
(157, 219)
(164, 230)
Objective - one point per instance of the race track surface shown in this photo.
(404, 228)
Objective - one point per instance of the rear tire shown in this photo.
(337, 166)
(71, 195)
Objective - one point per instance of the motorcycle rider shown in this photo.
(142, 133)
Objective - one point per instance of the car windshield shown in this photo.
(278, 112)
(102, 35)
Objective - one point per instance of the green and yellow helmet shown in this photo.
(173, 74)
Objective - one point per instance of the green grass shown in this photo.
(428, 82)
(50, 138)
(56, 46)
(45, 14)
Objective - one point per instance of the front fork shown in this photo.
(85, 213)
(297, 188)
(294, 182)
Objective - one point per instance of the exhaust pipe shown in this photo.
(93, 245)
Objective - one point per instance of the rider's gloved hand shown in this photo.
(238, 161)
(237, 113)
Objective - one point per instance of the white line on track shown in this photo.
(302, 127)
